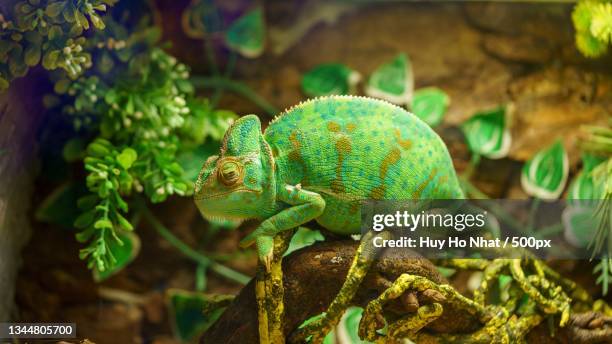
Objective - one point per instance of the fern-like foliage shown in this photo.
(137, 109)
(604, 270)
(597, 140)
(48, 32)
(593, 23)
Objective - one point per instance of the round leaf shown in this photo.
(430, 104)
(192, 313)
(580, 225)
(247, 34)
(127, 158)
(487, 133)
(393, 81)
(303, 237)
(347, 329)
(329, 78)
(545, 175)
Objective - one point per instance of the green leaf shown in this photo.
(603, 267)
(32, 54)
(97, 149)
(545, 175)
(330, 338)
(50, 60)
(580, 225)
(487, 133)
(430, 104)
(124, 252)
(59, 206)
(583, 186)
(192, 313)
(348, 327)
(393, 81)
(329, 78)
(303, 237)
(127, 158)
(247, 34)
(54, 9)
(123, 222)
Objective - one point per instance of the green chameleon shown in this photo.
(319, 161)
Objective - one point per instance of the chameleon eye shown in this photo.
(230, 172)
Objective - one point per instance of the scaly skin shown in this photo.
(319, 161)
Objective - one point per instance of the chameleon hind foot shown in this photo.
(373, 319)
(315, 331)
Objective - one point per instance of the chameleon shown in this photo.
(320, 160)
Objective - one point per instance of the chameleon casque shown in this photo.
(319, 161)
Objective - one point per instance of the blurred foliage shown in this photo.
(392, 81)
(192, 313)
(50, 32)
(597, 140)
(142, 117)
(544, 175)
(247, 34)
(131, 105)
(593, 23)
(328, 79)
(488, 134)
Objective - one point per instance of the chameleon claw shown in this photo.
(267, 260)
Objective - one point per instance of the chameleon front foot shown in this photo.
(269, 290)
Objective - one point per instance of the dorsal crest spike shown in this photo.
(312, 100)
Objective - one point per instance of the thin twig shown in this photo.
(190, 252)
(234, 86)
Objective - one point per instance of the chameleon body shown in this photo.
(318, 161)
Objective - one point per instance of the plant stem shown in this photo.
(191, 253)
(498, 211)
(234, 86)
(229, 69)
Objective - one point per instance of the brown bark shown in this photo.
(313, 276)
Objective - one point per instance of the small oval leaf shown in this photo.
(393, 81)
(487, 133)
(329, 78)
(430, 104)
(545, 175)
(127, 158)
(247, 34)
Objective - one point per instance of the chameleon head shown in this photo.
(238, 183)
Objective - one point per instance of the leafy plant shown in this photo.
(593, 23)
(134, 115)
(50, 32)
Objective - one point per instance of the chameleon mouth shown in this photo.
(215, 216)
(221, 194)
